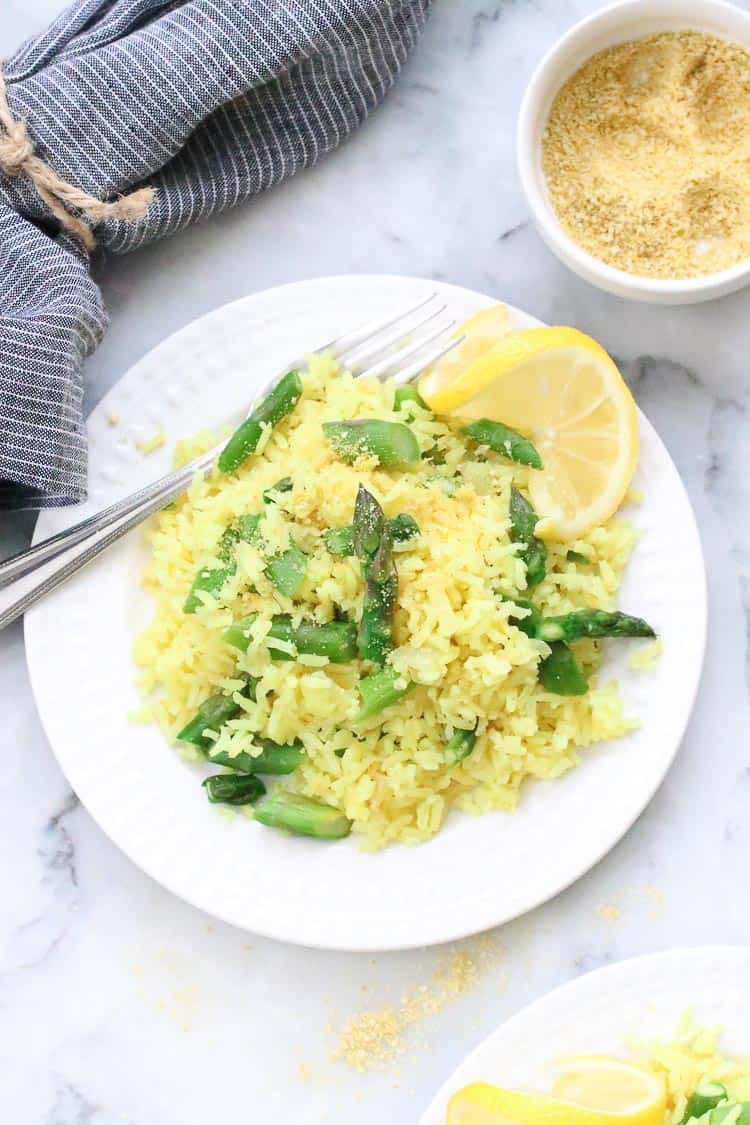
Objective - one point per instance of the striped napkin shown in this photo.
(208, 102)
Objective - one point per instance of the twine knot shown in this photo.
(75, 210)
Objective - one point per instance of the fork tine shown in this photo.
(410, 372)
(365, 352)
(359, 336)
(395, 359)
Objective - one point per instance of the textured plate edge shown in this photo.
(619, 968)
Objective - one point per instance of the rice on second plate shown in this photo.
(453, 634)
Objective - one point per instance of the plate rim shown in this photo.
(617, 968)
(457, 930)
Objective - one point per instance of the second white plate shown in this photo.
(643, 998)
(476, 873)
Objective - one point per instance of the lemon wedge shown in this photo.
(611, 1086)
(598, 1091)
(482, 331)
(559, 388)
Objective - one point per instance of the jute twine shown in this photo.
(75, 210)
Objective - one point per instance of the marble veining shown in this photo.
(120, 1004)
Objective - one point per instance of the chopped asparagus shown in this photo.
(392, 443)
(523, 521)
(530, 622)
(286, 484)
(340, 540)
(274, 758)
(276, 405)
(560, 674)
(210, 580)
(233, 788)
(243, 530)
(212, 714)
(287, 571)
(460, 746)
(379, 691)
(501, 439)
(705, 1098)
(591, 623)
(373, 544)
(303, 817)
(335, 639)
(406, 394)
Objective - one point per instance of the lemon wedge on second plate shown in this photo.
(589, 1091)
(559, 388)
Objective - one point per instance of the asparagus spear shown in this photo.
(335, 639)
(275, 406)
(523, 521)
(501, 439)
(274, 758)
(591, 623)
(340, 540)
(560, 674)
(212, 714)
(379, 691)
(287, 571)
(211, 579)
(392, 443)
(460, 746)
(373, 544)
(233, 788)
(303, 817)
(705, 1098)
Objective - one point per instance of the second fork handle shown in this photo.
(37, 574)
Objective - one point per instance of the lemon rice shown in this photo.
(453, 632)
(692, 1057)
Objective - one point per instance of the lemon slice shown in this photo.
(611, 1086)
(482, 332)
(608, 1092)
(559, 388)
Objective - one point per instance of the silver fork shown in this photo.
(372, 350)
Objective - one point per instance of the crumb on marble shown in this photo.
(150, 445)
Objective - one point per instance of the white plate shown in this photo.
(643, 998)
(149, 801)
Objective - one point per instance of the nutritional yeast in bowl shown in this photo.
(646, 155)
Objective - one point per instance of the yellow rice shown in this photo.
(453, 634)
(692, 1057)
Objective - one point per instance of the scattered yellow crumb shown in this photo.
(371, 1039)
(633, 495)
(657, 898)
(645, 658)
(113, 419)
(304, 1071)
(149, 445)
(610, 912)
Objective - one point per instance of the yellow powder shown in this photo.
(647, 153)
(148, 445)
(370, 1039)
(609, 912)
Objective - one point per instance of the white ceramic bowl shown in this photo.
(617, 23)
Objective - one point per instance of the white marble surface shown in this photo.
(120, 1004)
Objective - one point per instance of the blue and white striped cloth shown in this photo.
(208, 101)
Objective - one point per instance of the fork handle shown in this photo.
(30, 575)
